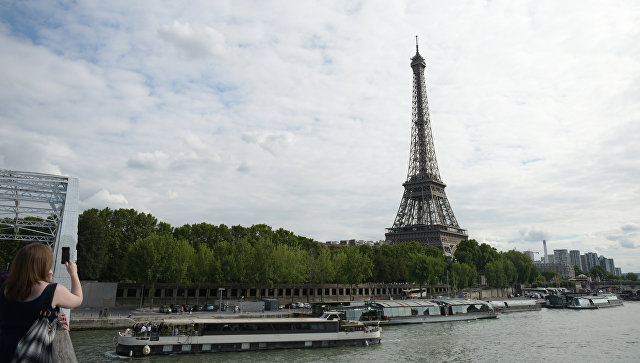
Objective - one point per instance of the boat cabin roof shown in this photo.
(242, 321)
(404, 303)
(461, 302)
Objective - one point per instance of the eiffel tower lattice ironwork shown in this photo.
(425, 214)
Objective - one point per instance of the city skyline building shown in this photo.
(546, 256)
(424, 214)
(530, 254)
(585, 262)
(563, 269)
(561, 256)
(592, 260)
(608, 265)
(574, 258)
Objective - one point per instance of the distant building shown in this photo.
(583, 263)
(561, 256)
(563, 269)
(592, 260)
(618, 271)
(574, 258)
(610, 266)
(530, 254)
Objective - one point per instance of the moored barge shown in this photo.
(245, 334)
(420, 311)
(594, 302)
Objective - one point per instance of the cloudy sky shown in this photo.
(297, 113)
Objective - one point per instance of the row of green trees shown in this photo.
(124, 244)
(501, 269)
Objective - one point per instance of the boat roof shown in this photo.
(183, 321)
(461, 301)
(432, 302)
(404, 303)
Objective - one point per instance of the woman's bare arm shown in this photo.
(69, 299)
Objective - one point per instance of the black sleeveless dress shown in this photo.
(16, 318)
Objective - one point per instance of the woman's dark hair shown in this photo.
(31, 264)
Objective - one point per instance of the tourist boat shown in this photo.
(510, 306)
(420, 311)
(594, 302)
(245, 334)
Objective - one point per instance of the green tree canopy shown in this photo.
(494, 272)
(599, 271)
(425, 269)
(550, 275)
(465, 275)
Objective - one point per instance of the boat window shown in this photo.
(414, 311)
(302, 326)
(282, 326)
(248, 327)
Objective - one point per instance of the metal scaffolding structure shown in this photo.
(37, 207)
(425, 214)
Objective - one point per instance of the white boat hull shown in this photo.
(137, 346)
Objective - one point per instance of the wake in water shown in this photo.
(114, 355)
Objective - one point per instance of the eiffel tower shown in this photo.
(424, 214)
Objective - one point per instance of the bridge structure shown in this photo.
(42, 208)
(616, 286)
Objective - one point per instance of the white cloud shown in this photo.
(533, 235)
(104, 198)
(245, 167)
(270, 141)
(182, 109)
(152, 160)
(196, 42)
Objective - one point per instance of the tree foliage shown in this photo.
(426, 269)
(124, 244)
(599, 271)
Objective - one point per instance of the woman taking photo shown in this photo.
(25, 292)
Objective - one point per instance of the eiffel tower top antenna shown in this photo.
(416, 44)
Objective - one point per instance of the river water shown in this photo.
(611, 334)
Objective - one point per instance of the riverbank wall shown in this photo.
(134, 295)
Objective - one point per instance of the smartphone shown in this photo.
(65, 255)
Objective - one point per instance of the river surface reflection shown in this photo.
(611, 334)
